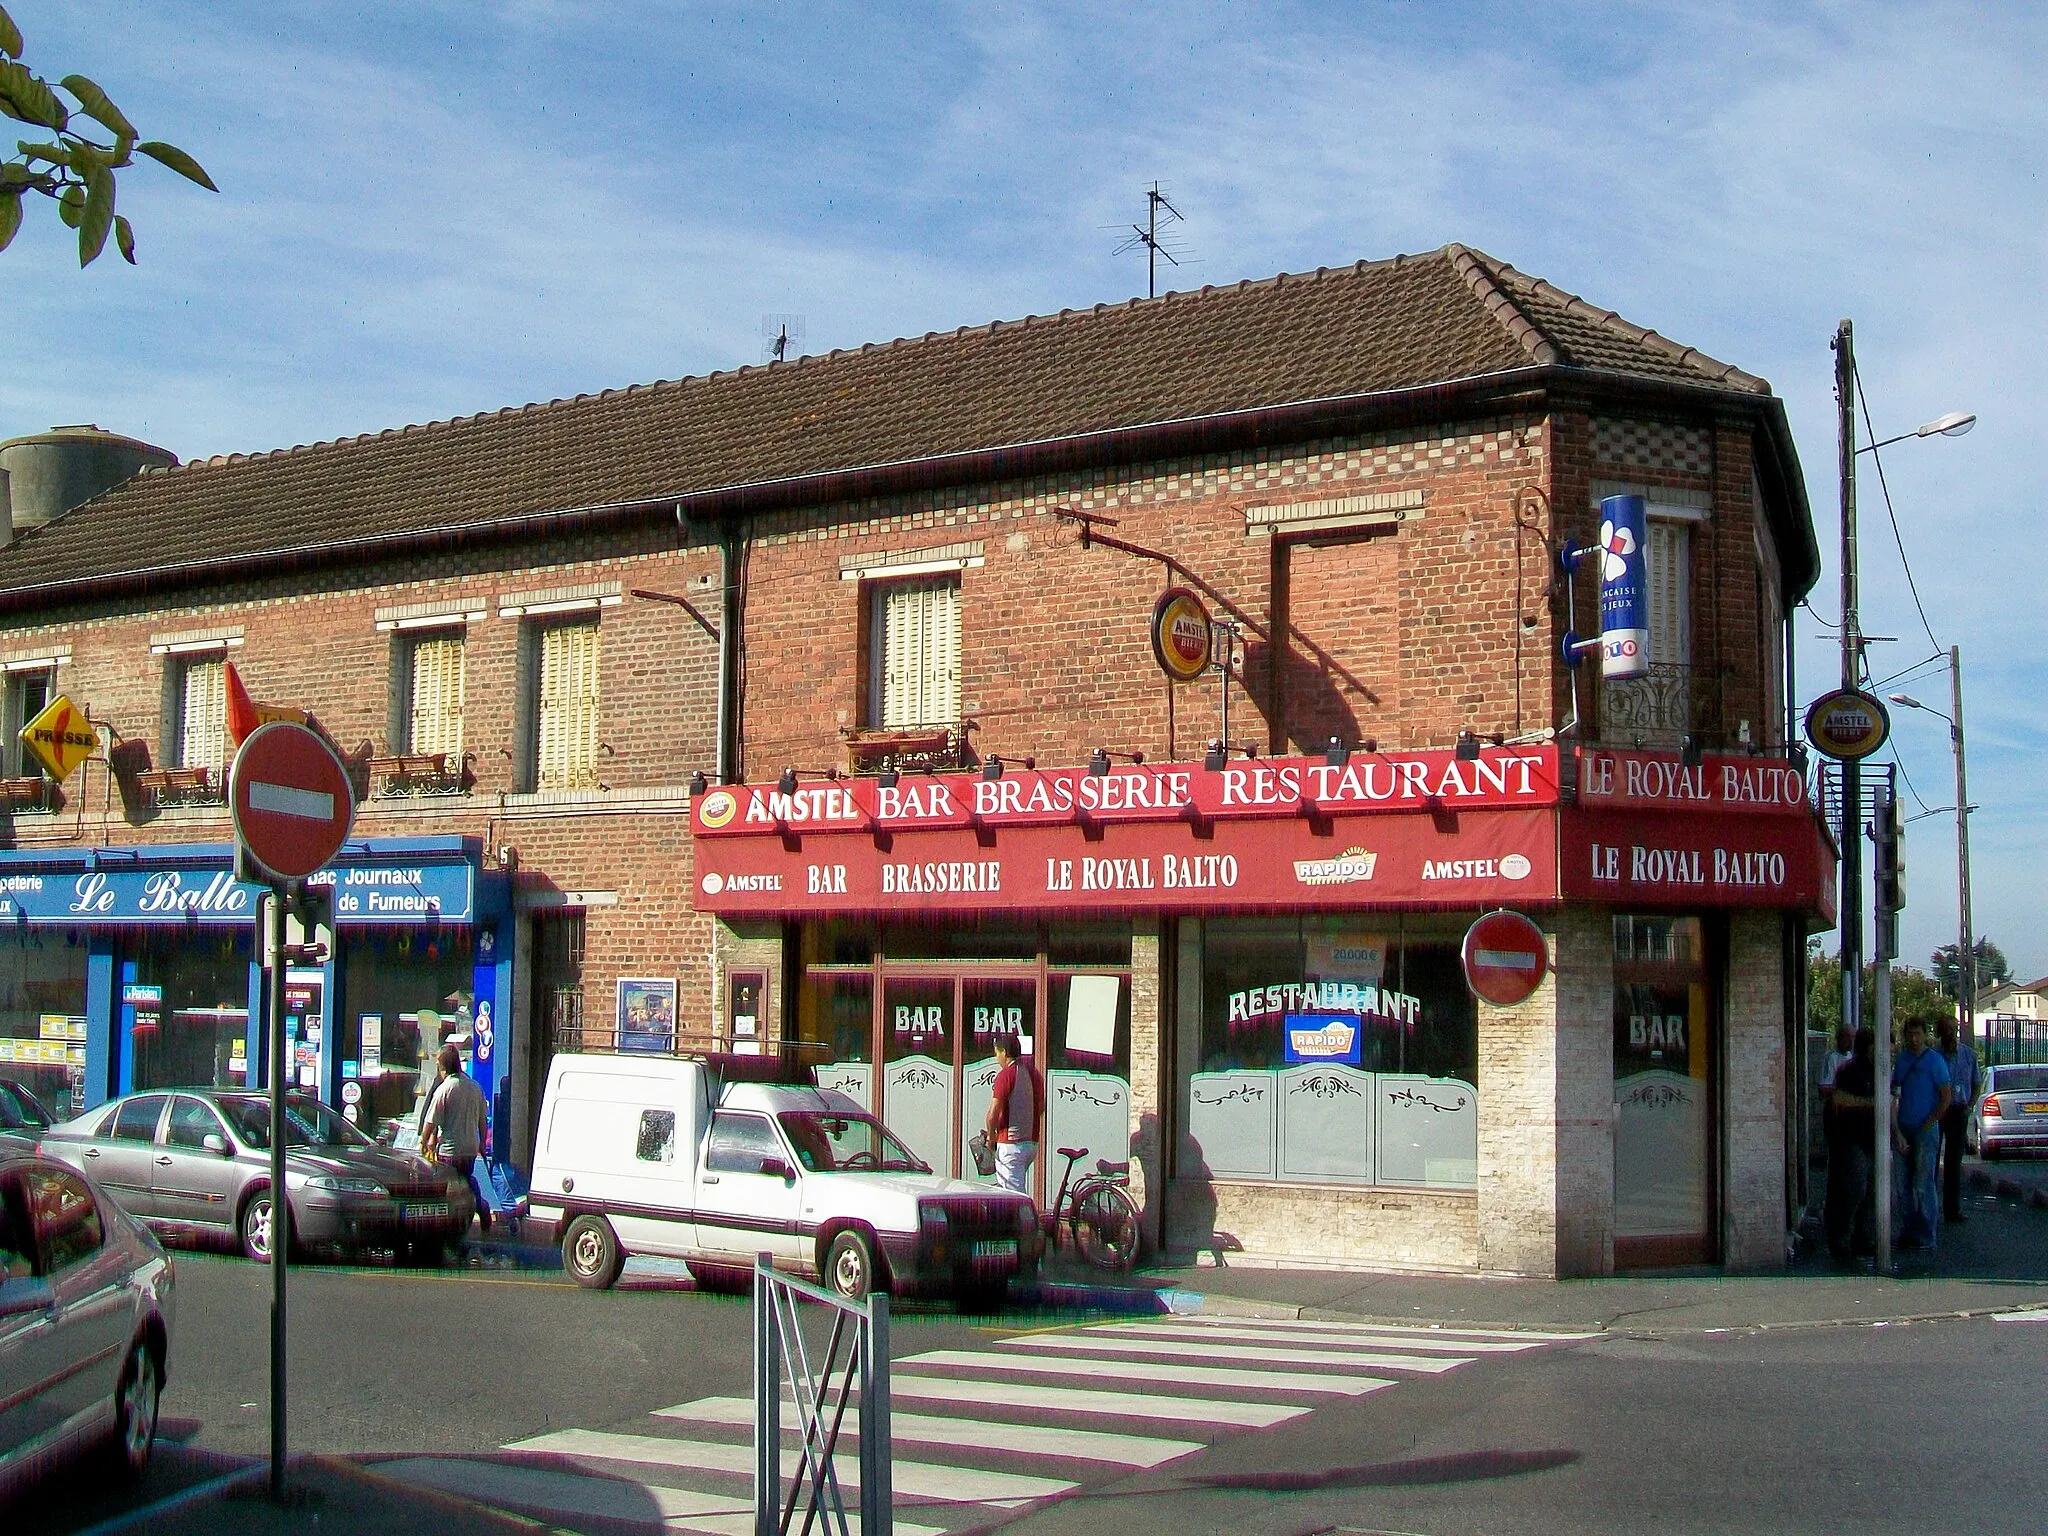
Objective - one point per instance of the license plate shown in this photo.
(431, 1211)
(2034, 1109)
(995, 1248)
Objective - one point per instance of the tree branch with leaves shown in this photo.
(75, 169)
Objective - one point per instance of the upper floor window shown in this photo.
(430, 686)
(198, 737)
(1670, 572)
(565, 707)
(914, 650)
(28, 694)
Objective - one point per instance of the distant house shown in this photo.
(2014, 1014)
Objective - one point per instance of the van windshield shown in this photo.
(847, 1144)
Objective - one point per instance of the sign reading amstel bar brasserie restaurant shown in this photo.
(1651, 781)
(1412, 860)
(1510, 778)
(374, 893)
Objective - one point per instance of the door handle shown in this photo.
(92, 1151)
(708, 1179)
(163, 1162)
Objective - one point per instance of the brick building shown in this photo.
(896, 605)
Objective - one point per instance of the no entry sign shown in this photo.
(292, 800)
(1505, 958)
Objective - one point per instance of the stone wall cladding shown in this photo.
(1753, 1097)
(1312, 1226)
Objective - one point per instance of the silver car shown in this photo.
(22, 1117)
(2013, 1114)
(196, 1163)
(85, 1323)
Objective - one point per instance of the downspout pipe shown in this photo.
(731, 560)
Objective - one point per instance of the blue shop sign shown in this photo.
(1324, 1037)
(370, 893)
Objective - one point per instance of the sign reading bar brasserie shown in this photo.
(1511, 778)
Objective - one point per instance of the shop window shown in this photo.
(1662, 1091)
(188, 1010)
(1323, 1049)
(42, 1015)
(1670, 572)
(565, 706)
(199, 734)
(431, 685)
(914, 652)
(404, 994)
(27, 695)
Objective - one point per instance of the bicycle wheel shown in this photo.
(1106, 1226)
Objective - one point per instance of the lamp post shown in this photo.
(1966, 940)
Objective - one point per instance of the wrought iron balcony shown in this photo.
(1656, 710)
(938, 747)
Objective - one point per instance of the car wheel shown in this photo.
(850, 1266)
(590, 1252)
(721, 1279)
(135, 1410)
(256, 1227)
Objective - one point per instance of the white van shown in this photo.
(690, 1159)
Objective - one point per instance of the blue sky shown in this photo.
(432, 209)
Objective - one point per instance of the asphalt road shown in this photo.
(1814, 1429)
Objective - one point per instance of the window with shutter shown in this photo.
(203, 713)
(1670, 573)
(917, 653)
(566, 723)
(28, 694)
(434, 722)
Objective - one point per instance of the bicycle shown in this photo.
(1099, 1212)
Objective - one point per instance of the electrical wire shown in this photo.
(1863, 400)
(1915, 669)
(1909, 780)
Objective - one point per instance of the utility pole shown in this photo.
(1966, 936)
(1852, 654)
(1888, 892)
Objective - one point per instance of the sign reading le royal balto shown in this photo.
(1420, 828)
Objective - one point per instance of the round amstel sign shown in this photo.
(292, 800)
(1180, 634)
(1505, 958)
(1847, 725)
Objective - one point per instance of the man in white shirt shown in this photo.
(455, 1126)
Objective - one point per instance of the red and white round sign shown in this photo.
(292, 801)
(1505, 958)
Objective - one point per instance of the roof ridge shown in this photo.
(1628, 330)
(1472, 266)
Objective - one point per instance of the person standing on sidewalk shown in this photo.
(455, 1127)
(1965, 1081)
(1852, 1129)
(1015, 1111)
(1921, 1090)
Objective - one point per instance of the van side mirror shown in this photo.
(776, 1168)
(216, 1143)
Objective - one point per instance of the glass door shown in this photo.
(919, 1042)
(1663, 1122)
(990, 1006)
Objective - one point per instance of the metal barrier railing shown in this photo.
(820, 1394)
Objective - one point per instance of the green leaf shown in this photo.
(56, 154)
(124, 237)
(99, 214)
(71, 205)
(10, 36)
(10, 213)
(97, 107)
(177, 160)
(28, 100)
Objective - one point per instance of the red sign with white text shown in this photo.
(1703, 859)
(1502, 778)
(1419, 859)
(1652, 781)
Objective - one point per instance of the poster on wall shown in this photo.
(647, 1014)
(1091, 1014)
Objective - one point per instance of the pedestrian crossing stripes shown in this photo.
(979, 1434)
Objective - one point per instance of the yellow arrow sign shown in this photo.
(61, 737)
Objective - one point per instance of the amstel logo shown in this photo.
(717, 808)
(1180, 634)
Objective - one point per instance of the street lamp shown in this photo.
(1966, 946)
(1954, 424)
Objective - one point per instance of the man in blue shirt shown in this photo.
(1965, 1082)
(1921, 1092)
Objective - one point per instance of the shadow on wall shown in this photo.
(1322, 698)
(1189, 1224)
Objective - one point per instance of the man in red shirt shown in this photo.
(1016, 1110)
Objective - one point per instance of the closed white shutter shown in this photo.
(920, 652)
(1670, 573)
(203, 714)
(436, 719)
(567, 757)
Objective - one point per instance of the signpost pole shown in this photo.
(280, 1206)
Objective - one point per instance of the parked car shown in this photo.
(196, 1163)
(670, 1156)
(85, 1323)
(2013, 1114)
(22, 1117)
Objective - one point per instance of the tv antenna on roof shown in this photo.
(777, 332)
(1147, 235)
